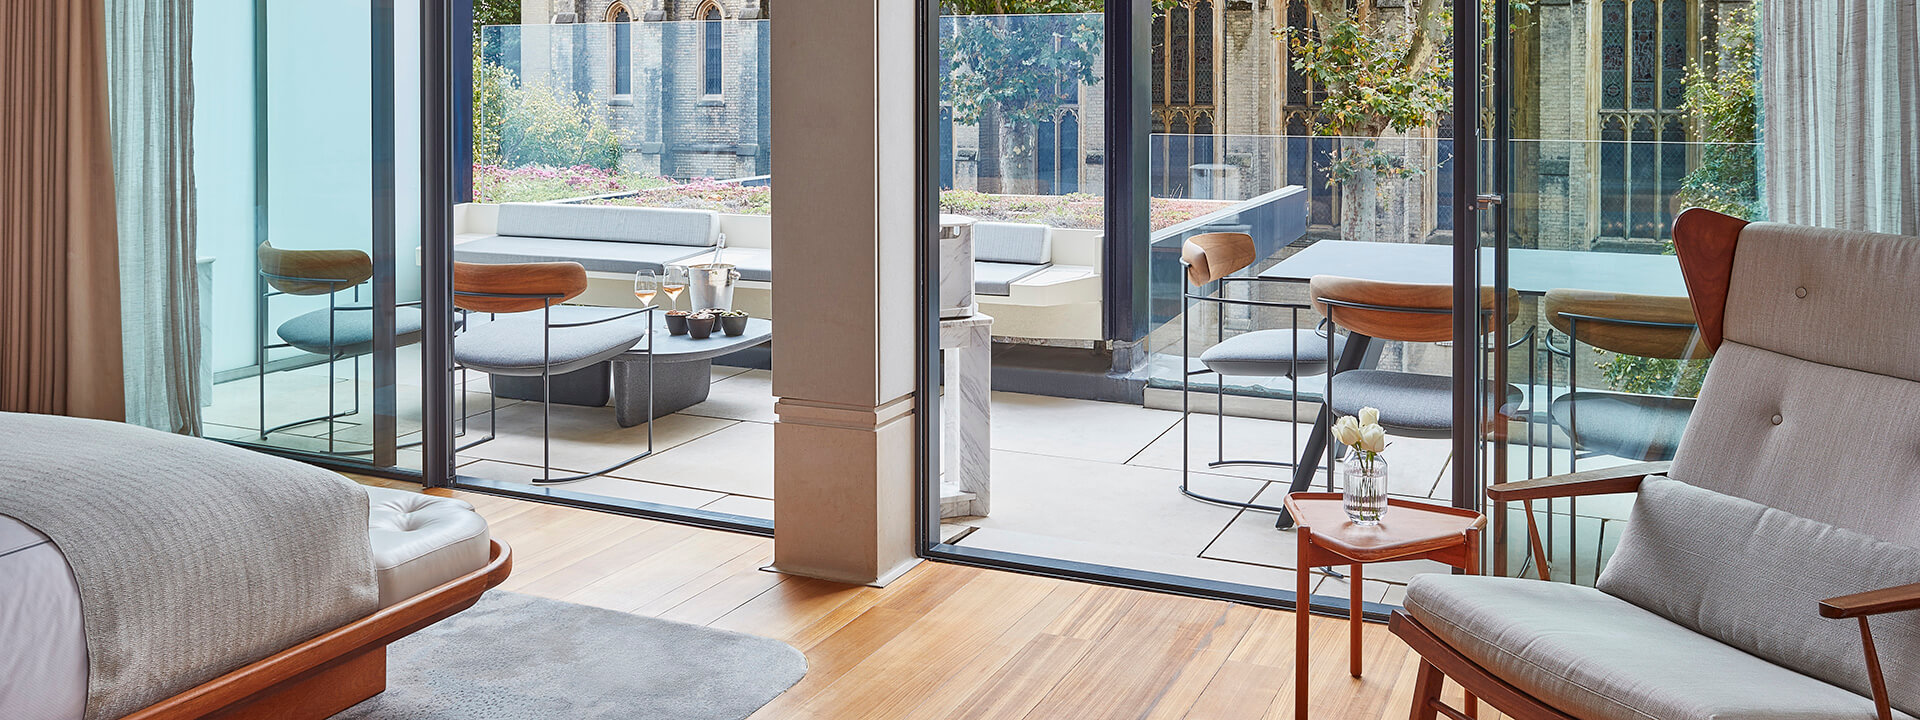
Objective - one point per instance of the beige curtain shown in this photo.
(150, 82)
(59, 272)
(1840, 87)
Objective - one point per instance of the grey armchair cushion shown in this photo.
(1752, 577)
(657, 226)
(1271, 353)
(997, 278)
(351, 333)
(1821, 294)
(513, 344)
(1598, 657)
(1845, 451)
(594, 255)
(1022, 243)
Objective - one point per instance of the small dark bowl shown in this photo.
(701, 327)
(676, 324)
(733, 325)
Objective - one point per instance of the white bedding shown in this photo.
(43, 673)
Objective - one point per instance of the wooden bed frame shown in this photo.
(332, 672)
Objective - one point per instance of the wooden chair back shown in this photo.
(528, 286)
(1212, 256)
(313, 272)
(1614, 322)
(1407, 312)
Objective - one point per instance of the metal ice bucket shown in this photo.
(711, 285)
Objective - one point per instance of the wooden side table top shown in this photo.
(1407, 528)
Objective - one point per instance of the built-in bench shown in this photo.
(1006, 253)
(601, 238)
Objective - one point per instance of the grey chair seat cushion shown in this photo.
(1752, 577)
(594, 255)
(1638, 427)
(1597, 657)
(997, 278)
(512, 344)
(1409, 403)
(1273, 353)
(351, 332)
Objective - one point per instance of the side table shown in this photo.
(1409, 531)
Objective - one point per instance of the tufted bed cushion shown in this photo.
(421, 541)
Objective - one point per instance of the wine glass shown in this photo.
(674, 284)
(646, 284)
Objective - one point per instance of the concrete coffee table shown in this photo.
(681, 371)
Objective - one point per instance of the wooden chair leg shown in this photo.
(1539, 548)
(1426, 692)
(1473, 706)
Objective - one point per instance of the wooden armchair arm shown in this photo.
(1621, 479)
(1873, 602)
(1605, 481)
(1862, 606)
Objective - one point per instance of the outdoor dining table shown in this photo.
(1531, 272)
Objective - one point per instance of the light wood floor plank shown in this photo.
(946, 641)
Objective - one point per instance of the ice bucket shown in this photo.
(711, 285)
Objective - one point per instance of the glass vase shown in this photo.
(1364, 492)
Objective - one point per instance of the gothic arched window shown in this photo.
(622, 48)
(711, 48)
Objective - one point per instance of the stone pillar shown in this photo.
(843, 84)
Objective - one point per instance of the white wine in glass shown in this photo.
(645, 285)
(675, 283)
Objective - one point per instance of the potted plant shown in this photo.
(676, 322)
(733, 322)
(700, 325)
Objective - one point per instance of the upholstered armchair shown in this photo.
(1791, 506)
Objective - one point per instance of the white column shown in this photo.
(844, 251)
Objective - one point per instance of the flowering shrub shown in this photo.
(538, 183)
(516, 124)
(535, 183)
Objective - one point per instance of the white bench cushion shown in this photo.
(421, 541)
(594, 255)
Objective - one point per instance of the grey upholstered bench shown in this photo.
(1005, 253)
(602, 238)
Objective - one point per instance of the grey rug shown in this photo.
(520, 657)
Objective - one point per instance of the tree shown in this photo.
(1722, 102)
(1014, 72)
(1381, 72)
(516, 124)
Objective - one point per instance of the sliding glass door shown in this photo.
(306, 160)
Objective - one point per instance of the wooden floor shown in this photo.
(947, 641)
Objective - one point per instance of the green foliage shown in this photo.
(1019, 64)
(494, 12)
(1654, 376)
(1378, 75)
(518, 125)
(1722, 101)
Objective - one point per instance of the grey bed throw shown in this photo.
(192, 557)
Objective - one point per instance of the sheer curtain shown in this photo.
(59, 283)
(1840, 82)
(151, 105)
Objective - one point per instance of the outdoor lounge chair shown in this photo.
(1791, 501)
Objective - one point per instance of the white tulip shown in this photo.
(1346, 431)
(1369, 416)
(1373, 439)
